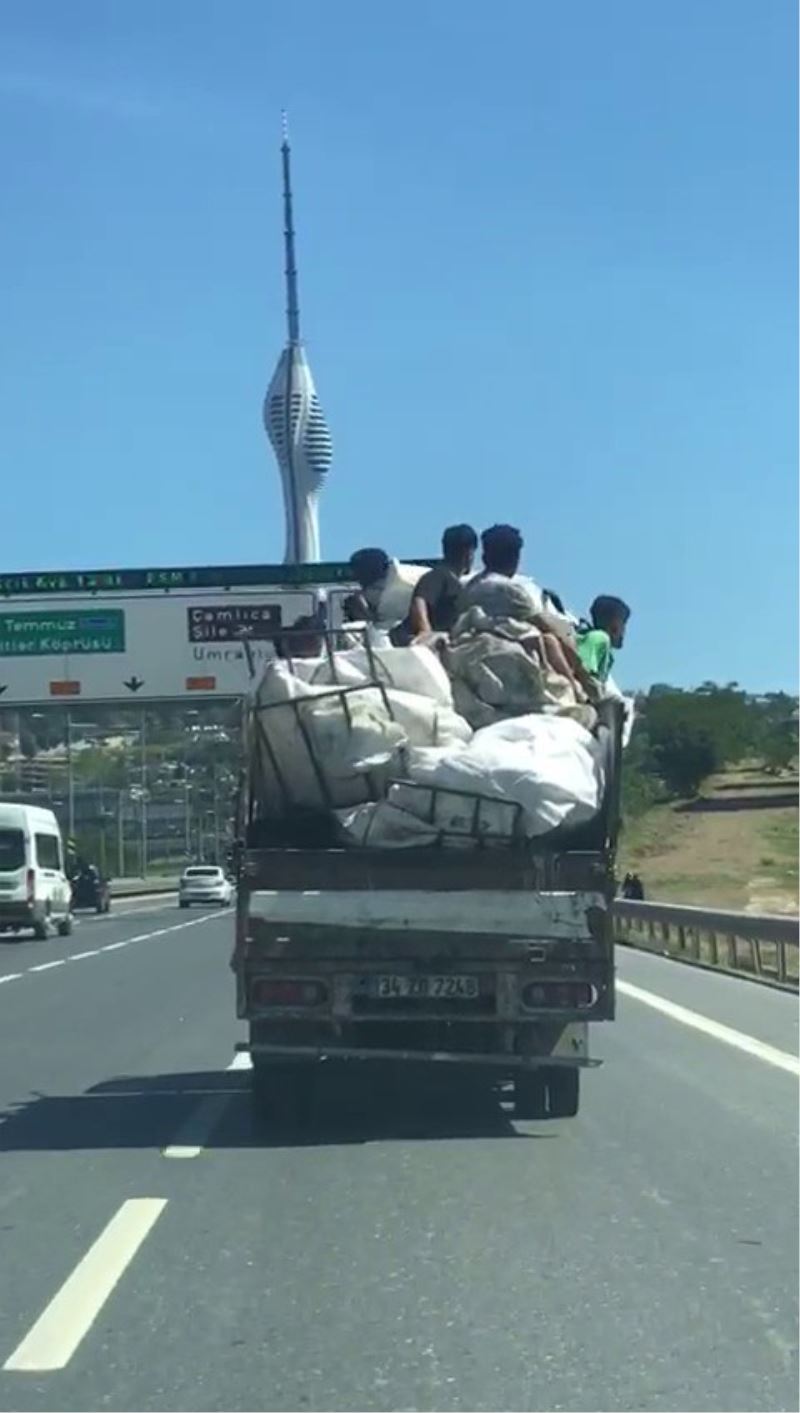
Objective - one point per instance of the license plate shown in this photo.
(442, 988)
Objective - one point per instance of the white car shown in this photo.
(203, 883)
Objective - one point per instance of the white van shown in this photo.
(34, 889)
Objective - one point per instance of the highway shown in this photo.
(416, 1250)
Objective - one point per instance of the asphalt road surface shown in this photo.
(159, 1249)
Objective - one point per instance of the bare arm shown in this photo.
(418, 619)
(545, 624)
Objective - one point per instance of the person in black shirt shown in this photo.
(434, 606)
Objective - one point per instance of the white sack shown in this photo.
(348, 752)
(426, 724)
(549, 765)
(412, 669)
(397, 591)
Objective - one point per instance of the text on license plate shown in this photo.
(446, 988)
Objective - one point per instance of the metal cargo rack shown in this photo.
(260, 713)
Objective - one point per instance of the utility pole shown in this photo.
(120, 836)
(144, 792)
(187, 818)
(70, 780)
(216, 817)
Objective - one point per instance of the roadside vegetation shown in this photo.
(710, 798)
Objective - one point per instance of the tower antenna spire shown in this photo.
(292, 304)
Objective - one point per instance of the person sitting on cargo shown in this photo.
(369, 568)
(501, 593)
(497, 589)
(434, 604)
(303, 639)
(355, 609)
(597, 639)
(387, 586)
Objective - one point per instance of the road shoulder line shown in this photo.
(738, 1039)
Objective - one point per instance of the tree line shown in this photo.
(680, 738)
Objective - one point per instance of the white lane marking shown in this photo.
(194, 1133)
(781, 1059)
(52, 1341)
(109, 947)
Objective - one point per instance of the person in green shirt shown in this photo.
(597, 640)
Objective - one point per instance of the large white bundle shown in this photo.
(396, 593)
(354, 747)
(425, 723)
(548, 765)
(413, 669)
(355, 741)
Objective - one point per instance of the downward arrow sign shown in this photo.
(134, 683)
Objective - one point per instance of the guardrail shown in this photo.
(760, 947)
(135, 887)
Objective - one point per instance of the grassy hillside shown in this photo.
(735, 846)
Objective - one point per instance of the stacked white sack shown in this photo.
(413, 669)
(550, 766)
(355, 743)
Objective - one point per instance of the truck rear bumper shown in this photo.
(356, 1052)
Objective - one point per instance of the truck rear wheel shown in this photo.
(530, 1095)
(563, 1092)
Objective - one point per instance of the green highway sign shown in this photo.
(62, 634)
(230, 576)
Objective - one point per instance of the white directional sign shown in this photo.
(106, 635)
(139, 646)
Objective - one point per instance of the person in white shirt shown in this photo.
(503, 593)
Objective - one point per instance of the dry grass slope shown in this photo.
(736, 846)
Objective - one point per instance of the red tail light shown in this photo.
(30, 885)
(288, 992)
(558, 995)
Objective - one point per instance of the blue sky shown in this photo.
(547, 275)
